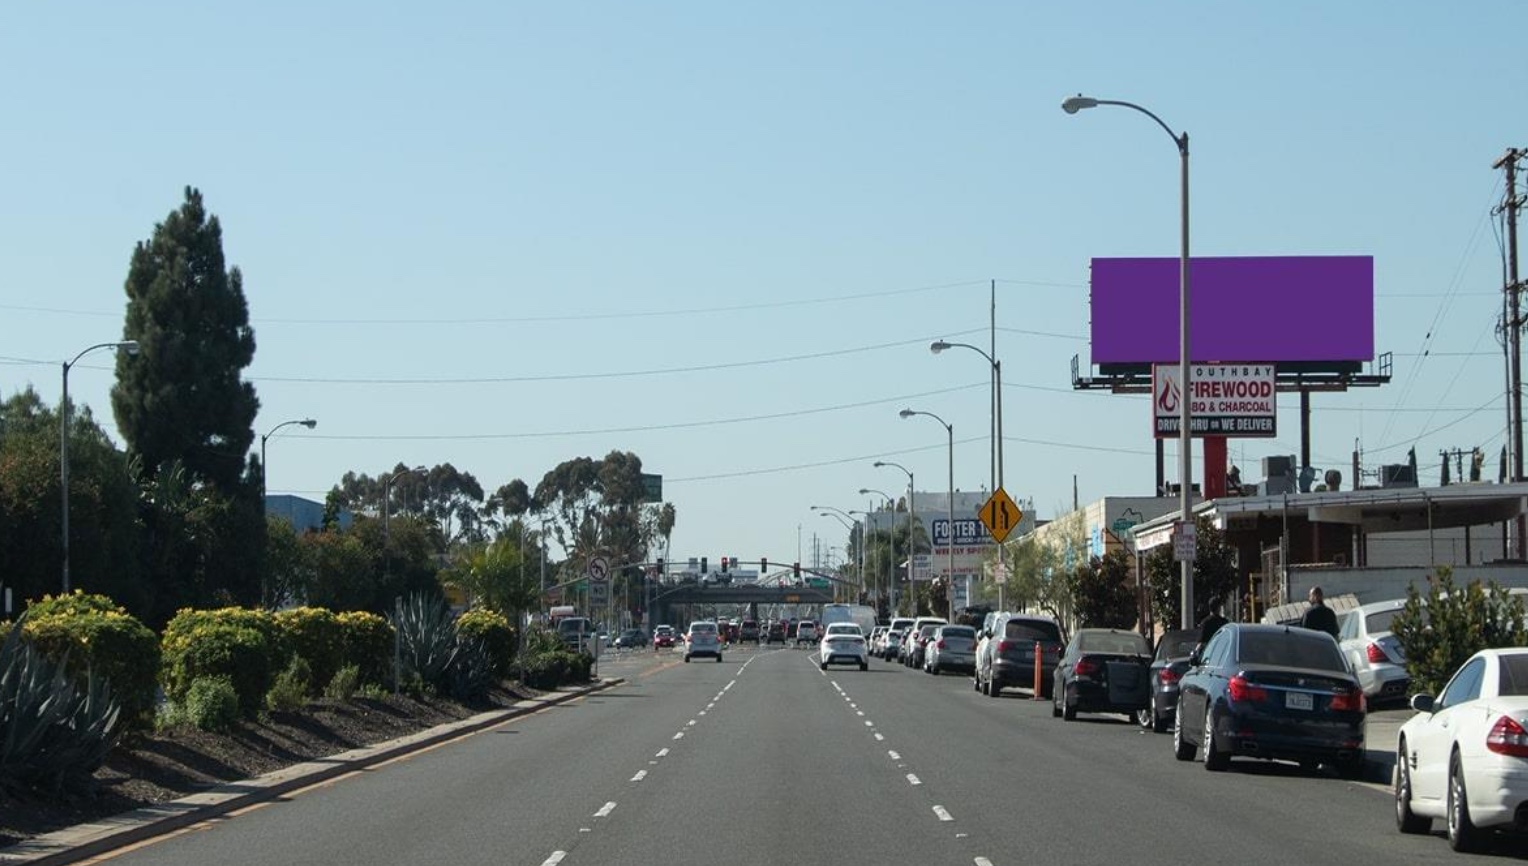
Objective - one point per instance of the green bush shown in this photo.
(344, 684)
(290, 690)
(471, 673)
(493, 633)
(367, 640)
(215, 649)
(427, 640)
(1441, 633)
(212, 703)
(97, 635)
(548, 670)
(315, 635)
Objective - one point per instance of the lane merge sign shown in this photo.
(1000, 515)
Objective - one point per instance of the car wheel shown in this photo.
(1147, 717)
(1214, 759)
(718, 658)
(1055, 706)
(1183, 750)
(994, 689)
(1068, 712)
(1406, 820)
(822, 665)
(1462, 834)
(686, 658)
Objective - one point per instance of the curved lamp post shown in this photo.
(129, 346)
(1185, 438)
(949, 542)
(306, 422)
(997, 435)
(912, 499)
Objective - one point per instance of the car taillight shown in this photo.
(1087, 667)
(1377, 654)
(1243, 690)
(1508, 737)
(1004, 646)
(1169, 676)
(1350, 701)
(939, 644)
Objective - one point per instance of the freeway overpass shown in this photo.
(690, 595)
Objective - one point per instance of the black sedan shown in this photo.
(631, 638)
(1167, 667)
(1103, 670)
(1271, 692)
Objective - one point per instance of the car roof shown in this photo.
(1377, 606)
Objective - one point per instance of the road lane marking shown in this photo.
(869, 724)
(943, 813)
(983, 861)
(879, 738)
(859, 712)
(641, 774)
(605, 810)
(894, 756)
(913, 780)
(679, 736)
(554, 859)
(690, 723)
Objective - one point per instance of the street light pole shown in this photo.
(911, 509)
(1185, 434)
(131, 347)
(309, 423)
(997, 439)
(949, 542)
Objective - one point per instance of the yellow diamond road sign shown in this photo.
(1001, 515)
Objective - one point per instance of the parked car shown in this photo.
(1102, 670)
(891, 644)
(900, 624)
(631, 638)
(1168, 665)
(842, 644)
(775, 633)
(703, 639)
(917, 636)
(874, 641)
(1375, 653)
(1271, 692)
(663, 636)
(952, 648)
(806, 632)
(1006, 659)
(1462, 756)
(748, 630)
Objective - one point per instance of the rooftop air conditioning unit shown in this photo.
(1280, 466)
(1397, 475)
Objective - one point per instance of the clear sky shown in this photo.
(721, 235)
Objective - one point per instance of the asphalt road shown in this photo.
(763, 759)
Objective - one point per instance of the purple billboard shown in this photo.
(1263, 308)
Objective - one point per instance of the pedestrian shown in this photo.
(1319, 617)
(1211, 622)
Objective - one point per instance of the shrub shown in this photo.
(493, 632)
(290, 690)
(548, 670)
(315, 635)
(471, 673)
(99, 636)
(55, 729)
(219, 649)
(1442, 632)
(212, 703)
(367, 641)
(344, 684)
(427, 640)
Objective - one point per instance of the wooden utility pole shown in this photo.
(1511, 204)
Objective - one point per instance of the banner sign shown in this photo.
(1237, 400)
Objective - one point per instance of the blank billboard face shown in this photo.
(1274, 308)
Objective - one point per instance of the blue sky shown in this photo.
(722, 235)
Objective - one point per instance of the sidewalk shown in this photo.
(91, 840)
(1380, 731)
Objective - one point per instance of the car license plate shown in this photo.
(1297, 701)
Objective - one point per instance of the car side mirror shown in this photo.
(1422, 703)
(1195, 659)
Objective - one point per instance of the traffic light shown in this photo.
(763, 565)
(703, 569)
(724, 565)
(797, 569)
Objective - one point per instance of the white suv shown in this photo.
(703, 639)
(844, 643)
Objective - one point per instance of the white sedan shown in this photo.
(1464, 755)
(843, 645)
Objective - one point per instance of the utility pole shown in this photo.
(1511, 204)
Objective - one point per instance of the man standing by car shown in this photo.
(1319, 617)
(1211, 622)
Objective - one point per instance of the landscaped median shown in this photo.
(88, 840)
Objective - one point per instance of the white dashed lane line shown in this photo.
(662, 753)
(943, 813)
(880, 738)
(554, 859)
(641, 774)
(605, 810)
(679, 736)
(895, 756)
(983, 861)
(913, 780)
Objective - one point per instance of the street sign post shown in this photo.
(1000, 515)
(1185, 543)
(598, 569)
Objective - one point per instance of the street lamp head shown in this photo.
(130, 346)
(864, 491)
(938, 346)
(309, 423)
(1078, 103)
(877, 464)
(907, 413)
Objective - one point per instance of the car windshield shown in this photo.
(1177, 644)
(1380, 621)
(1032, 630)
(958, 631)
(1292, 647)
(703, 628)
(1514, 675)
(1127, 643)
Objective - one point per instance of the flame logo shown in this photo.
(1167, 401)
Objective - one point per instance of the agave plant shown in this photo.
(427, 639)
(54, 731)
(472, 670)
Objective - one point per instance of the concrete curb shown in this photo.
(90, 840)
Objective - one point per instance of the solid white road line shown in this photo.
(913, 780)
(554, 859)
(605, 810)
(943, 813)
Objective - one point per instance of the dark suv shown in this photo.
(776, 633)
(748, 631)
(1007, 656)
